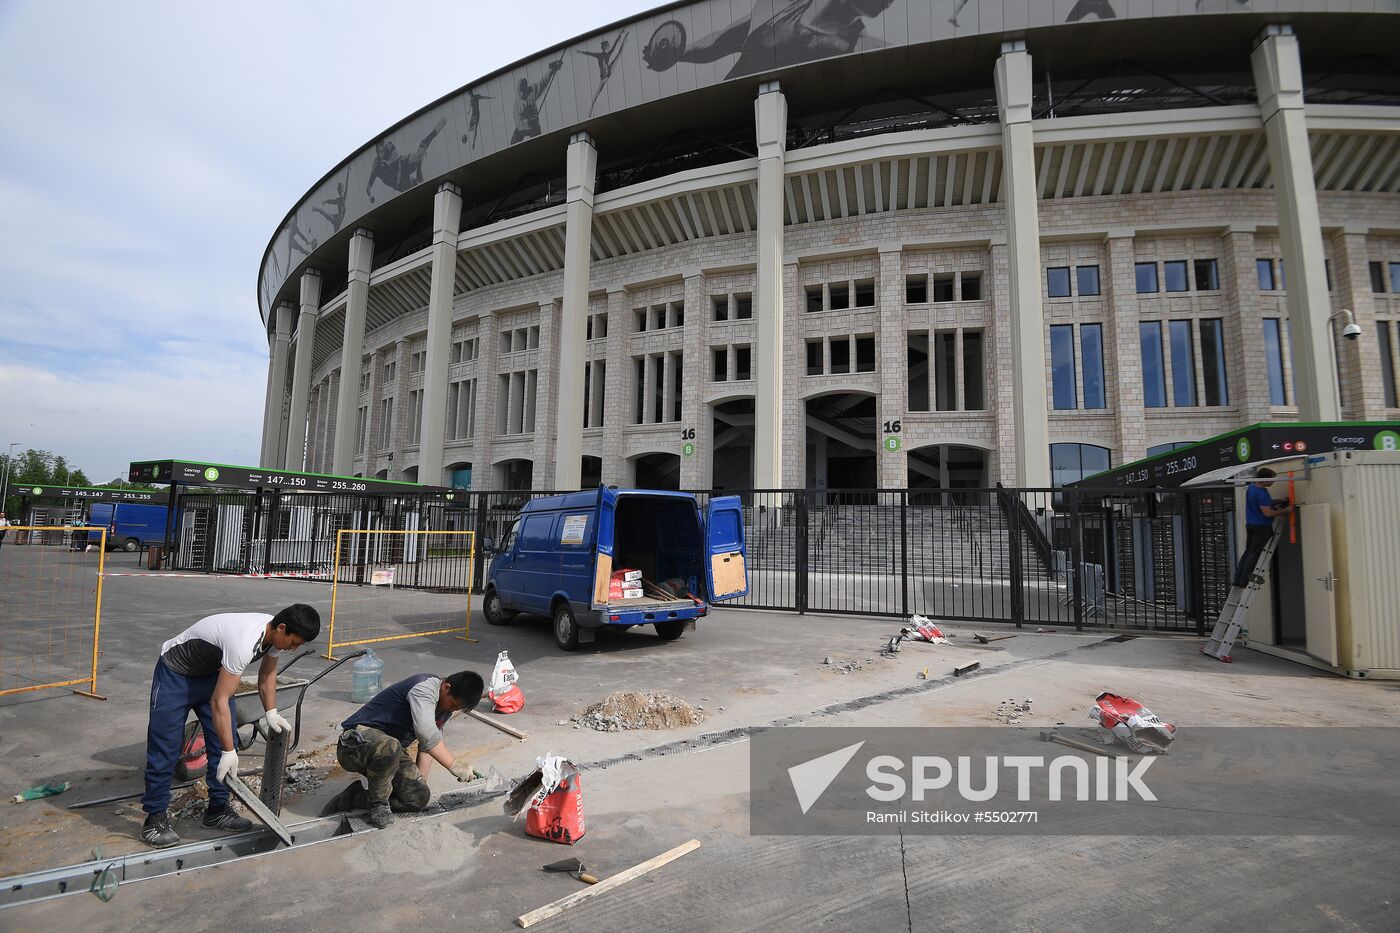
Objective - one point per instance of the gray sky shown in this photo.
(147, 152)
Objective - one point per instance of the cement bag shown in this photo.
(1128, 721)
(921, 628)
(505, 693)
(555, 810)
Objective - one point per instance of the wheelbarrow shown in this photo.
(249, 723)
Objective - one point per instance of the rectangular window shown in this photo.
(678, 315)
(720, 371)
(1154, 379)
(1387, 351)
(917, 367)
(1062, 368)
(639, 320)
(415, 424)
(1183, 364)
(1327, 271)
(386, 423)
(1264, 271)
(943, 286)
(1146, 273)
(1091, 361)
(974, 396)
(361, 424)
(865, 354)
(1377, 270)
(814, 298)
(721, 305)
(1395, 277)
(505, 342)
(658, 317)
(916, 289)
(658, 388)
(1273, 353)
(1213, 362)
(1207, 275)
(1174, 275)
(945, 370)
(865, 293)
(599, 324)
(839, 296)
(743, 306)
(416, 362)
(742, 361)
(1087, 280)
(459, 347)
(972, 286)
(364, 382)
(840, 355)
(677, 384)
(391, 370)
(531, 397)
(815, 363)
(1057, 282)
(587, 393)
(639, 390)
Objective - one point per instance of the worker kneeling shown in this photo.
(376, 737)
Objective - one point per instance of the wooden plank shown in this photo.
(498, 725)
(607, 884)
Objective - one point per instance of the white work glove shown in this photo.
(228, 764)
(462, 770)
(275, 721)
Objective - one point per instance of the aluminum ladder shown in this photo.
(1235, 613)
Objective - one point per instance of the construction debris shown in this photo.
(1009, 712)
(987, 639)
(43, 790)
(846, 667)
(1128, 721)
(623, 712)
(966, 668)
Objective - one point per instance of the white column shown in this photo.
(770, 125)
(352, 348)
(447, 224)
(295, 456)
(275, 411)
(1014, 83)
(1278, 75)
(581, 173)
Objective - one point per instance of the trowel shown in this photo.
(574, 867)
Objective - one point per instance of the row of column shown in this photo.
(1278, 75)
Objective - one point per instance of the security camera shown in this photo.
(1351, 331)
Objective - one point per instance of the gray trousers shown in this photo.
(393, 776)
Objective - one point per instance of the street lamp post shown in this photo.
(9, 466)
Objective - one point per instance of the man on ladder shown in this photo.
(1261, 536)
(1260, 510)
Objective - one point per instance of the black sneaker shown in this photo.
(380, 816)
(227, 819)
(157, 832)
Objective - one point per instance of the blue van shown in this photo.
(558, 557)
(129, 524)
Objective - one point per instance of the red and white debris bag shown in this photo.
(505, 693)
(555, 812)
(1128, 721)
(921, 628)
(625, 584)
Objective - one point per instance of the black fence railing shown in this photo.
(1156, 559)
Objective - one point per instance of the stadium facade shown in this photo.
(854, 243)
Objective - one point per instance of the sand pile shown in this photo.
(627, 711)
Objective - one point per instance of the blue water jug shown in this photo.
(367, 677)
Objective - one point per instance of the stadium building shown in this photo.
(854, 243)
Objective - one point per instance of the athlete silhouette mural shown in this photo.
(336, 215)
(400, 172)
(801, 31)
(528, 98)
(474, 115)
(606, 57)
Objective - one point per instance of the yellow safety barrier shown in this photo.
(51, 607)
(392, 585)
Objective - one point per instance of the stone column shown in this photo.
(695, 469)
(1031, 420)
(546, 404)
(1360, 358)
(617, 411)
(275, 410)
(1278, 74)
(295, 455)
(487, 387)
(1247, 372)
(447, 224)
(351, 350)
(770, 121)
(581, 174)
(891, 363)
(1123, 349)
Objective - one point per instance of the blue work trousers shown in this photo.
(172, 697)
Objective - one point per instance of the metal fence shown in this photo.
(1158, 559)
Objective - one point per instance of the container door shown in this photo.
(726, 569)
(602, 573)
(1319, 583)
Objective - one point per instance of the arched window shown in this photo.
(1071, 462)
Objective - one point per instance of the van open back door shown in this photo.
(726, 569)
(603, 565)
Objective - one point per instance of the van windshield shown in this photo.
(661, 538)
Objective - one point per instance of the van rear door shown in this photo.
(607, 522)
(726, 570)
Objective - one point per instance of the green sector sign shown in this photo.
(892, 442)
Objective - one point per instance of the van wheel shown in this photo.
(565, 628)
(669, 631)
(493, 610)
(131, 544)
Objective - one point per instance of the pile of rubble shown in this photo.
(846, 667)
(622, 712)
(1009, 712)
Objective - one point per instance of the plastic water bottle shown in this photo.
(367, 677)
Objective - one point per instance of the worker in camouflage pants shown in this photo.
(377, 735)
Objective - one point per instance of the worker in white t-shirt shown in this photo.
(200, 669)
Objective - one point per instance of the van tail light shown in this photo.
(614, 618)
(704, 609)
